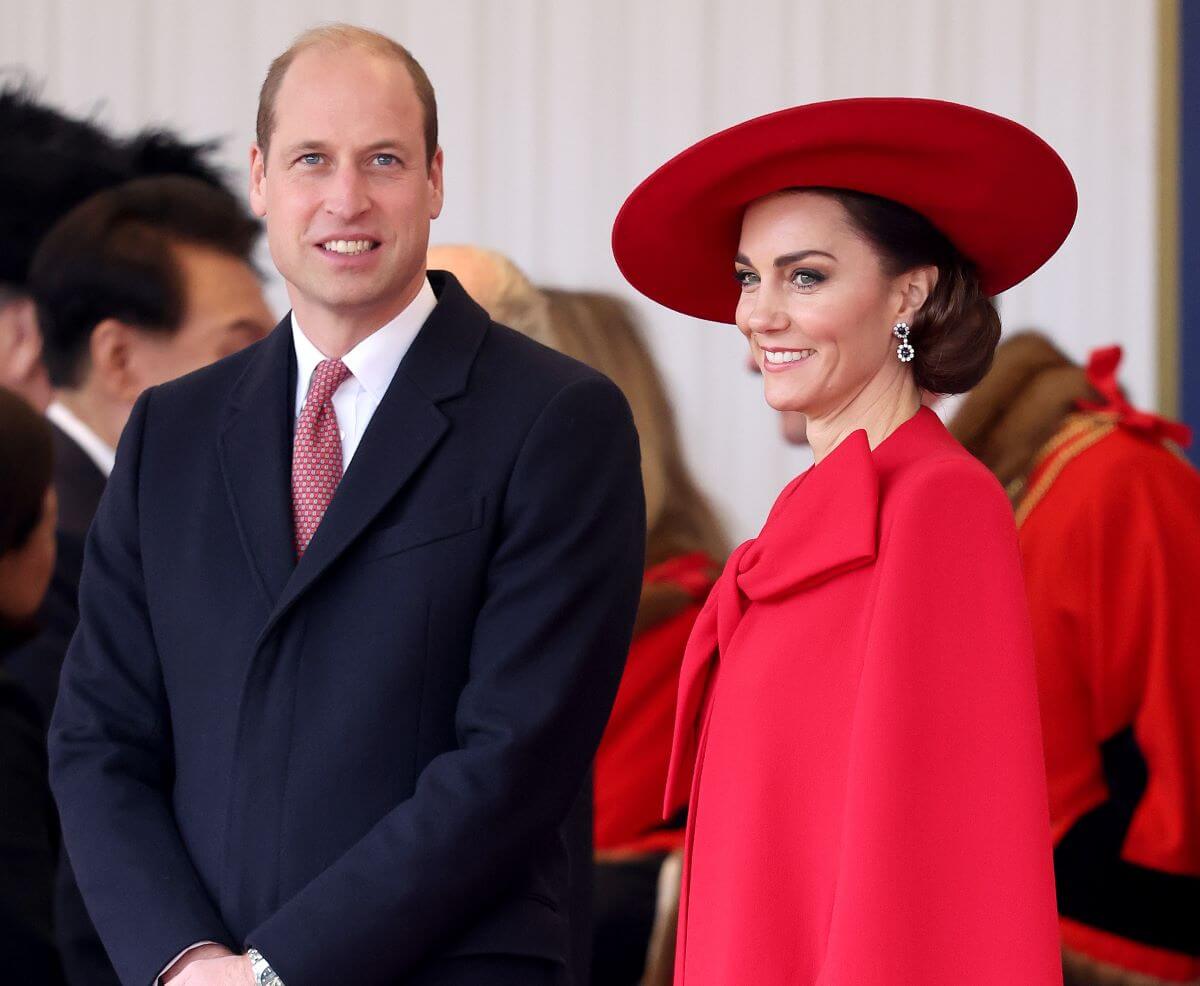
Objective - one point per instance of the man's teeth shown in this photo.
(787, 355)
(348, 246)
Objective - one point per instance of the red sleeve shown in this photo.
(946, 874)
(1059, 555)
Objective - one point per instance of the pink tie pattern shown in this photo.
(316, 452)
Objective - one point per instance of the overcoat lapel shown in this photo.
(406, 427)
(255, 449)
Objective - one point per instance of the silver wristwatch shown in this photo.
(264, 975)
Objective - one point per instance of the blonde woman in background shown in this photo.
(685, 545)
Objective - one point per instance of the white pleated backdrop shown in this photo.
(552, 110)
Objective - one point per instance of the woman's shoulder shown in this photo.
(948, 478)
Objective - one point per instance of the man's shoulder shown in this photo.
(528, 370)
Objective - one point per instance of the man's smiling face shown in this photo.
(345, 186)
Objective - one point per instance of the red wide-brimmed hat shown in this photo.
(995, 189)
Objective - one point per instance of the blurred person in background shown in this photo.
(28, 825)
(685, 547)
(137, 285)
(1109, 521)
(498, 284)
(50, 162)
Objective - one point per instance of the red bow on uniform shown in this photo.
(1102, 375)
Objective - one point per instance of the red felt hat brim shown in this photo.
(994, 188)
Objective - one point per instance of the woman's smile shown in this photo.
(781, 360)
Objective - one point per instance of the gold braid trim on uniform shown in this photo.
(1078, 433)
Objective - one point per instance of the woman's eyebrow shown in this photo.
(787, 258)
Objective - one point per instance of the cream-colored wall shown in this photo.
(552, 110)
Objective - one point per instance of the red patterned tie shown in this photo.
(316, 452)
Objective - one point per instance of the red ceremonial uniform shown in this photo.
(859, 741)
(631, 764)
(1110, 540)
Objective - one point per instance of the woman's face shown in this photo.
(816, 305)
(25, 572)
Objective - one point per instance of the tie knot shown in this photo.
(326, 378)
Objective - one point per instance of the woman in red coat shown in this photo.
(857, 736)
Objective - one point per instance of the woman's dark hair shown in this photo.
(956, 331)
(26, 469)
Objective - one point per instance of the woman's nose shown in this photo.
(767, 315)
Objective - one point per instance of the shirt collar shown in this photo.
(374, 361)
(94, 447)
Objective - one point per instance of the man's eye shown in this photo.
(385, 159)
(746, 278)
(310, 158)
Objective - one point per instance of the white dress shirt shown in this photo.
(94, 447)
(372, 364)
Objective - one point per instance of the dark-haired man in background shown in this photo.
(49, 163)
(139, 284)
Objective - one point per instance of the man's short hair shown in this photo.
(335, 37)
(112, 257)
(50, 162)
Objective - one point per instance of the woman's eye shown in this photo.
(807, 278)
(746, 278)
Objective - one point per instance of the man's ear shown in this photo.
(113, 369)
(21, 368)
(258, 180)
(20, 339)
(437, 191)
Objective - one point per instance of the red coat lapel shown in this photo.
(824, 523)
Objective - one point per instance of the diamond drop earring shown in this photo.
(905, 351)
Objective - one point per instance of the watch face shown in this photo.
(264, 975)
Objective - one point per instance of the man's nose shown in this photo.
(347, 195)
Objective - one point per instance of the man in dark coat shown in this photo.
(356, 601)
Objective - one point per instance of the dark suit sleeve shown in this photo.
(110, 750)
(549, 646)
